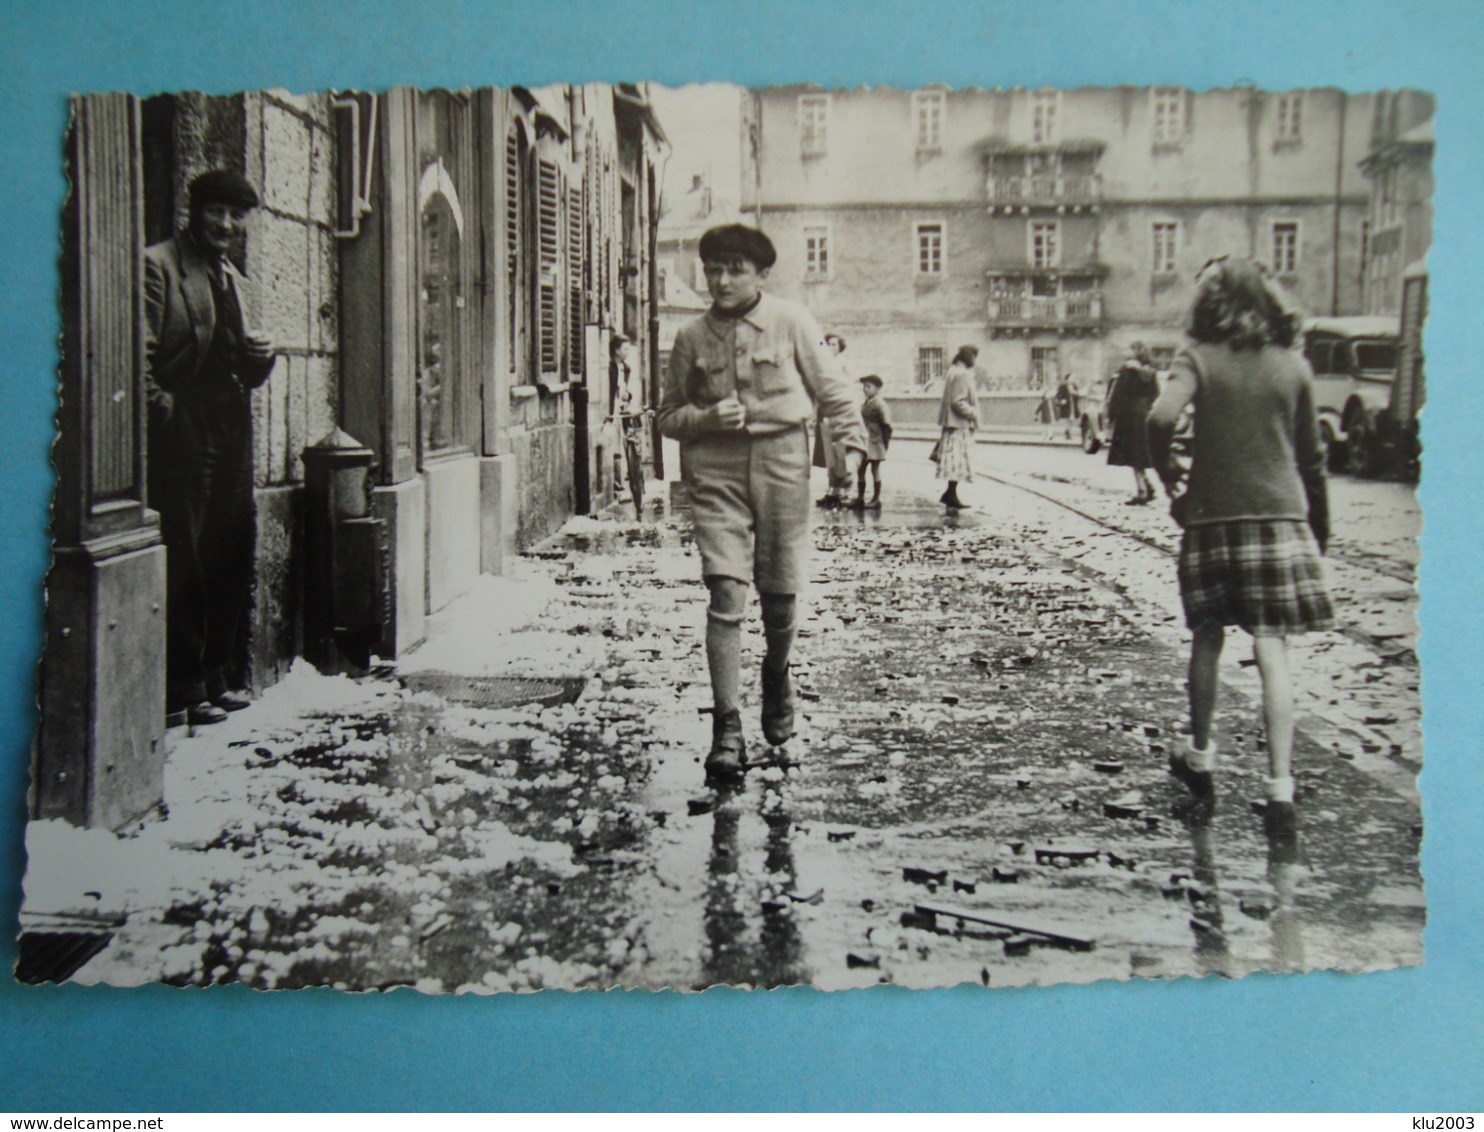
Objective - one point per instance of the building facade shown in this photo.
(441, 272)
(1398, 167)
(1049, 228)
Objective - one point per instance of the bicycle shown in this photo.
(632, 427)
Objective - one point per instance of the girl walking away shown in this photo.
(1256, 512)
(1129, 400)
(958, 417)
(877, 418)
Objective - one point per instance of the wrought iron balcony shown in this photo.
(1044, 190)
(1077, 309)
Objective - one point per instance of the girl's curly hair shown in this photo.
(1238, 303)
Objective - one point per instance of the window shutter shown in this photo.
(548, 240)
(512, 239)
(574, 281)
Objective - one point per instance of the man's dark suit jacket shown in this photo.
(180, 318)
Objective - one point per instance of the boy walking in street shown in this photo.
(744, 381)
(877, 418)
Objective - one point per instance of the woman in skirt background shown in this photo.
(958, 417)
(1255, 512)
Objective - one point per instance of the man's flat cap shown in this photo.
(223, 186)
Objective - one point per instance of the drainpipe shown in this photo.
(1334, 290)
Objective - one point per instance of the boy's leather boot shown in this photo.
(778, 707)
(726, 761)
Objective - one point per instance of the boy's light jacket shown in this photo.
(774, 360)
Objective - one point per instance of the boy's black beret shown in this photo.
(729, 240)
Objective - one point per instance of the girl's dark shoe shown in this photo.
(1280, 820)
(778, 707)
(727, 759)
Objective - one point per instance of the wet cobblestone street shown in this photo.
(978, 791)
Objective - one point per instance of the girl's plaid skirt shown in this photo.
(1264, 575)
(955, 453)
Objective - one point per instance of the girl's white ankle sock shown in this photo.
(1279, 789)
(1200, 758)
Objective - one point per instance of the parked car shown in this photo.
(1354, 362)
(1092, 417)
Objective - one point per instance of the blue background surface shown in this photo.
(1403, 1040)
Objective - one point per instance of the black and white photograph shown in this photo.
(606, 535)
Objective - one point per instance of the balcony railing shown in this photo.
(1046, 310)
(1044, 188)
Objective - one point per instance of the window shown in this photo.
(1045, 243)
(1285, 247)
(1045, 367)
(930, 249)
(1319, 352)
(927, 117)
(1043, 116)
(1290, 117)
(931, 364)
(1169, 115)
(1166, 246)
(816, 253)
(814, 123)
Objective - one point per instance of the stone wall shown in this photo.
(541, 441)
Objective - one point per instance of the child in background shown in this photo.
(1256, 513)
(744, 381)
(877, 418)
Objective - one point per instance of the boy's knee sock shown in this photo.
(724, 658)
(778, 631)
(780, 642)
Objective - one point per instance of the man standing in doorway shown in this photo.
(202, 359)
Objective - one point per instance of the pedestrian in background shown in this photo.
(1065, 402)
(1256, 512)
(744, 381)
(877, 417)
(1129, 400)
(958, 418)
(828, 453)
(202, 359)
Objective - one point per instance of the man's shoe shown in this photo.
(232, 700)
(204, 713)
(778, 707)
(727, 759)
